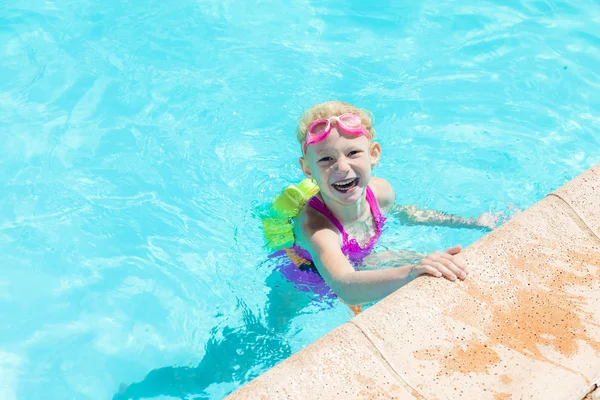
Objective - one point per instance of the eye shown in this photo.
(354, 152)
(325, 159)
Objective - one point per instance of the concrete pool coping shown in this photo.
(525, 324)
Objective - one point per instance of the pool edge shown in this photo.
(547, 253)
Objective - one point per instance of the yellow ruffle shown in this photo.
(277, 226)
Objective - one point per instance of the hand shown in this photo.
(490, 221)
(493, 220)
(441, 264)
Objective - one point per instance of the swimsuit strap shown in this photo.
(318, 205)
(375, 210)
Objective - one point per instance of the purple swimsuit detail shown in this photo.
(308, 279)
(350, 247)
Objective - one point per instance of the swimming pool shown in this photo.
(141, 139)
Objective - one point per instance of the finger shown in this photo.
(428, 269)
(449, 262)
(448, 274)
(454, 249)
(454, 260)
(452, 266)
(437, 261)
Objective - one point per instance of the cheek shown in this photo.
(366, 161)
(316, 171)
(323, 167)
(323, 173)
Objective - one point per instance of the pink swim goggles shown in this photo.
(320, 129)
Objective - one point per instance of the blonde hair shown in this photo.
(332, 109)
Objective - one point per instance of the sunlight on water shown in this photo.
(141, 138)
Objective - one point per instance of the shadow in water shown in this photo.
(233, 356)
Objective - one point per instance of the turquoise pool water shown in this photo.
(140, 138)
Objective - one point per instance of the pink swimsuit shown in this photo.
(350, 247)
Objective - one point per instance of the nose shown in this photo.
(343, 165)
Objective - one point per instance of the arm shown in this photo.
(353, 287)
(321, 239)
(410, 215)
(356, 287)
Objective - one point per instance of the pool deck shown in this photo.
(525, 324)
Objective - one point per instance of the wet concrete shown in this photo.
(525, 324)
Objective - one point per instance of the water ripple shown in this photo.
(141, 142)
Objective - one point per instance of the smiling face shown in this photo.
(341, 165)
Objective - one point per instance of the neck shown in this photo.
(349, 213)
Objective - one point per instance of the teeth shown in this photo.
(347, 181)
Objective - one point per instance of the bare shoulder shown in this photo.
(384, 193)
(308, 224)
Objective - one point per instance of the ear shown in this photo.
(375, 153)
(305, 168)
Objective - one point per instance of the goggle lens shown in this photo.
(351, 120)
(319, 127)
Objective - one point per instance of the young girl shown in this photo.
(338, 227)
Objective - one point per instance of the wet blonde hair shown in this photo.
(332, 109)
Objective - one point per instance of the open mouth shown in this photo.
(345, 185)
